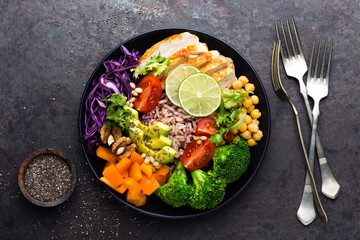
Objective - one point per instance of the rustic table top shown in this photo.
(48, 50)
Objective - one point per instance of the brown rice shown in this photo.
(183, 125)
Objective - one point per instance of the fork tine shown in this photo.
(329, 62)
(278, 37)
(311, 59)
(283, 32)
(290, 36)
(317, 59)
(297, 37)
(323, 60)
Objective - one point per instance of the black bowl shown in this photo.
(155, 206)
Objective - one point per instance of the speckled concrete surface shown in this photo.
(48, 50)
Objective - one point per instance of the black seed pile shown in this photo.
(47, 178)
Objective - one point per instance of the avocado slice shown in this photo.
(160, 128)
(149, 141)
(160, 142)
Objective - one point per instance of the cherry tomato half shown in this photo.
(197, 156)
(206, 127)
(151, 95)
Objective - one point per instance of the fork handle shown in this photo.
(306, 213)
(330, 187)
(315, 112)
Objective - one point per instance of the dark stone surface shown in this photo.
(48, 50)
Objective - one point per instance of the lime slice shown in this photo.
(174, 80)
(199, 95)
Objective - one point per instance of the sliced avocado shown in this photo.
(160, 128)
(165, 155)
(160, 142)
(150, 142)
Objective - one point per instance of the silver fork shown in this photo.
(281, 92)
(295, 66)
(317, 87)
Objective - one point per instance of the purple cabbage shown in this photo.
(116, 79)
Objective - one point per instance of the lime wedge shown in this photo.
(174, 80)
(199, 95)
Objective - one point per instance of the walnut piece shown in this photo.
(128, 150)
(120, 142)
(116, 132)
(104, 133)
(120, 145)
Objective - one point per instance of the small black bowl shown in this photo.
(25, 164)
(154, 206)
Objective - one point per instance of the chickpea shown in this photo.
(250, 108)
(255, 113)
(244, 80)
(252, 127)
(247, 119)
(255, 121)
(250, 87)
(246, 135)
(251, 142)
(247, 102)
(237, 85)
(225, 90)
(254, 99)
(234, 131)
(237, 138)
(243, 127)
(240, 115)
(258, 135)
(243, 109)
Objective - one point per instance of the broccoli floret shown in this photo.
(176, 191)
(231, 161)
(207, 192)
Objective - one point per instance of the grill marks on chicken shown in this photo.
(186, 49)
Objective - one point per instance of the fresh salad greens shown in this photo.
(158, 63)
(117, 112)
(227, 115)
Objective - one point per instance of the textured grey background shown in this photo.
(48, 50)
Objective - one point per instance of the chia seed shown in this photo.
(47, 178)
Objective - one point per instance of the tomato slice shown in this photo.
(206, 127)
(151, 95)
(197, 156)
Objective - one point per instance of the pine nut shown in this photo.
(155, 164)
(134, 93)
(198, 142)
(159, 166)
(204, 138)
(196, 138)
(132, 85)
(147, 160)
(152, 160)
(138, 90)
(143, 155)
(131, 105)
(132, 100)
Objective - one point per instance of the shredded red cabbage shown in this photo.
(116, 79)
